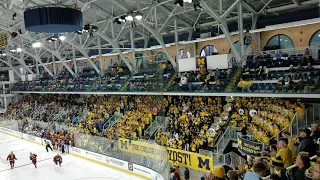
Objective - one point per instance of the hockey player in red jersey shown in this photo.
(11, 158)
(33, 158)
(57, 159)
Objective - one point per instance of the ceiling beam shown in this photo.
(21, 61)
(82, 51)
(297, 2)
(116, 46)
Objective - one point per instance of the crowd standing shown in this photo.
(190, 120)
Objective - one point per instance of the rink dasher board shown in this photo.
(114, 163)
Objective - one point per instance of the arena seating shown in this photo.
(189, 121)
(190, 118)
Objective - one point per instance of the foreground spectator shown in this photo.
(284, 152)
(259, 170)
(302, 163)
(307, 143)
(316, 171)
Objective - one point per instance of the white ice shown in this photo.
(73, 168)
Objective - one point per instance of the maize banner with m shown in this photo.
(185, 158)
(201, 61)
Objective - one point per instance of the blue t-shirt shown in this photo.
(251, 175)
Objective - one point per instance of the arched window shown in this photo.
(127, 59)
(111, 63)
(280, 41)
(208, 50)
(315, 39)
(182, 56)
(238, 48)
(98, 64)
(161, 56)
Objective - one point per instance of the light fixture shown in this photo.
(36, 44)
(187, 1)
(138, 16)
(12, 50)
(117, 20)
(14, 16)
(179, 2)
(14, 34)
(19, 49)
(129, 17)
(196, 3)
(86, 28)
(80, 32)
(3, 54)
(94, 28)
(122, 19)
(62, 38)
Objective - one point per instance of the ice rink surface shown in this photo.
(73, 168)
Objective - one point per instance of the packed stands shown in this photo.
(189, 121)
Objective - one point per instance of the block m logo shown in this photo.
(200, 61)
(202, 163)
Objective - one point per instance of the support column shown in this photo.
(258, 41)
(74, 60)
(195, 49)
(176, 37)
(100, 53)
(240, 27)
(54, 65)
(37, 69)
(132, 47)
(223, 27)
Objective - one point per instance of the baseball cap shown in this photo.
(306, 130)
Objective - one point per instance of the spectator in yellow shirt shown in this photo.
(284, 152)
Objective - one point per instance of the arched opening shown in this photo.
(315, 39)
(279, 41)
(183, 54)
(208, 50)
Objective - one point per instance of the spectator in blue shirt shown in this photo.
(259, 170)
(74, 120)
(99, 126)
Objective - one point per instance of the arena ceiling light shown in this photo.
(36, 44)
(86, 28)
(62, 38)
(129, 17)
(18, 49)
(94, 28)
(179, 2)
(138, 16)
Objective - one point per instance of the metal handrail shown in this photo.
(221, 138)
(152, 122)
(103, 127)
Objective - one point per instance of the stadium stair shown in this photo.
(234, 80)
(175, 75)
(223, 142)
(125, 86)
(159, 123)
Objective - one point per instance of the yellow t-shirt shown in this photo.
(286, 156)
